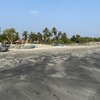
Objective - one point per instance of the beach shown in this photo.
(50, 73)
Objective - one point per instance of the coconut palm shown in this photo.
(46, 34)
(25, 35)
(31, 37)
(64, 37)
(39, 35)
(54, 31)
(59, 34)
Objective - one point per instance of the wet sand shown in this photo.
(50, 74)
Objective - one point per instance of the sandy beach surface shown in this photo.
(50, 73)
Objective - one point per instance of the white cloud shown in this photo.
(33, 12)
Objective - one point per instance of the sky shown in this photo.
(71, 16)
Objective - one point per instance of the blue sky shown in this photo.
(72, 16)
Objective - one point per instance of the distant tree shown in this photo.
(73, 38)
(59, 34)
(39, 35)
(10, 34)
(99, 39)
(76, 38)
(36, 38)
(16, 36)
(32, 37)
(2, 37)
(54, 32)
(64, 37)
(25, 35)
(46, 35)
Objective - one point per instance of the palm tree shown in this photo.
(31, 37)
(59, 34)
(54, 31)
(34, 37)
(39, 35)
(64, 37)
(25, 35)
(46, 34)
(16, 36)
(73, 38)
(76, 38)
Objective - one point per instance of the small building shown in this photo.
(18, 42)
(27, 42)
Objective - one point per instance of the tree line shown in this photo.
(47, 36)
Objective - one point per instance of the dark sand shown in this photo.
(50, 75)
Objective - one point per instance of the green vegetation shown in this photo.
(47, 36)
(10, 35)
